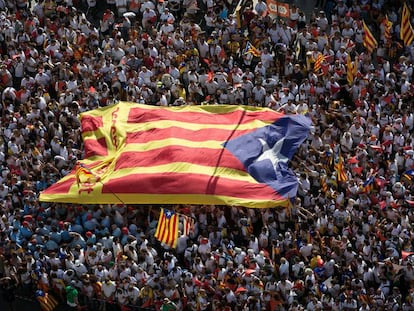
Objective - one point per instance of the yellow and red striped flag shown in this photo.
(318, 63)
(250, 48)
(339, 168)
(406, 29)
(212, 154)
(167, 228)
(369, 40)
(188, 225)
(47, 302)
(387, 30)
(349, 70)
(324, 185)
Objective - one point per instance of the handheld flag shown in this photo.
(368, 185)
(339, 168)
(406, 29)
(167, 228)
(369, 40)
(408, 175)
(318, 63)
(387, 30)
(223, 155)
(188, 225)
(351, 69)
(251, 49)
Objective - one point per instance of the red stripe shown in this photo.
(163, 226)
(95, 147)
(139, 115)
(165, 155)
(179, 132)
(60, 187)
(91, 123)
(171, 229)
(175, 183)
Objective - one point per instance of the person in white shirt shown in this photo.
(259, 94)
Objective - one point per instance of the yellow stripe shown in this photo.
(186, 168)
(158, 230)
(156, 144)
(201, 199)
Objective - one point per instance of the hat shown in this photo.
(125, 230)
(89, 234)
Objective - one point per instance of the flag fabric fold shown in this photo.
(167, 228)
(223, 155)
(406, 29)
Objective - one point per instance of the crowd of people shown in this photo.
(345, 243)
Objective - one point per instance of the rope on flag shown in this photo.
(167, 228)
(406, 29)
(369, 40)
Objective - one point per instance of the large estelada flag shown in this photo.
(226, 155)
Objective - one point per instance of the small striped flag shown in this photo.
(324, 185)
(188, 225)
(252, 50)
(318, 63)
(339, 168)
(387, 30)
(408, 175)
(289, 207)
(369, 40)
(167, 228)
(47, 302)
(406, 29)
(368, 185)
(349, 70)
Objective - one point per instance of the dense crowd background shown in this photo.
(344, 244)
